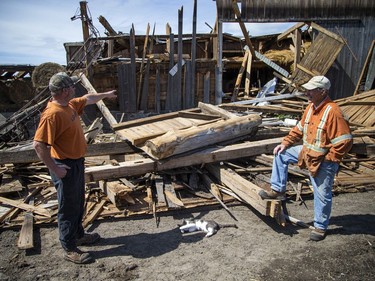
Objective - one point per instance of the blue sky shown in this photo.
(34, 31)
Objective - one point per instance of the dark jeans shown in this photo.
(71, 199)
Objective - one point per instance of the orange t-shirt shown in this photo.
(60, 127)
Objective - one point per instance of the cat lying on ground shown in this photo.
(209, 227)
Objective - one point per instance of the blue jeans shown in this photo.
(322, 183)
(71, 202)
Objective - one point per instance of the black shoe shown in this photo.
(275, 195)
(317, 234)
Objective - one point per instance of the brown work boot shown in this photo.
(77, 256)
(88, 239)
(317, 234)
(272, 195)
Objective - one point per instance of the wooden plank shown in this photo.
(101, 105)
(209, 155)
(159, 184)
(243, 27)
(96, 149)
(170, 195)
(177, 142)
(239, 76)
(94, 214)
(286, 33)
(26, 207)
(327, 32)
(215, 110)
(206, 90)
(142, 63)
(319, 57)
(248, 75)
(370, 56)
(26, 238)
(246, 190)
(132, 106)
(193, 55)
(144, 97)
(178, 79)
(152, 119)
(157, 90)
(187, 95)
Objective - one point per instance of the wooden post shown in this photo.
(111, 31)
(86, 35)
(170, 93)
(144, 100)
(219, 66)
(239, 77)
(297, 46)
(142, 63)
(133, 81)
(179, 62)
(243, 27)
(157, 90)
(26, 238)
(188, 77)
(248, 75)
(102, 107)
(193, 56)
(206, 95)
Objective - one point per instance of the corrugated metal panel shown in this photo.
(296, 10)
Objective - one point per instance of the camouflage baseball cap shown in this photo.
(61, 80)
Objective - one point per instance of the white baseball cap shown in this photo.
(317, 82)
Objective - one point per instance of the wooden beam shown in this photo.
(307, 71)
(96, 149)
(248, 75)
(239, 76)
(26, 207)
(290, 30)
(26, 238)
(208, 155)
(142, 63)
(172, 143)
(243, 27)
(94, 214)
(246, 190)
(101, 105)
(215, 110)
(327, 32)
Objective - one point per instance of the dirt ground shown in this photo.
(136, 249)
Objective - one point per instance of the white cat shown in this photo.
(209, 227)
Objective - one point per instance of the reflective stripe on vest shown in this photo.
(318, 138)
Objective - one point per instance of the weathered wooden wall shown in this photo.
(353, 20)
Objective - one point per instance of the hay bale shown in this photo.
(42, 73)
(20, 91)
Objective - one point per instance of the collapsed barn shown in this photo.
(198, 115)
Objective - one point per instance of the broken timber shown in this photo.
(26, 238)
(173, 142)
(247, 191)
(209, 155)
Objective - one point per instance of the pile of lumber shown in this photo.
(205, 156)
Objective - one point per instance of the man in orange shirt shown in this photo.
(60, 143)
(326, 139)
